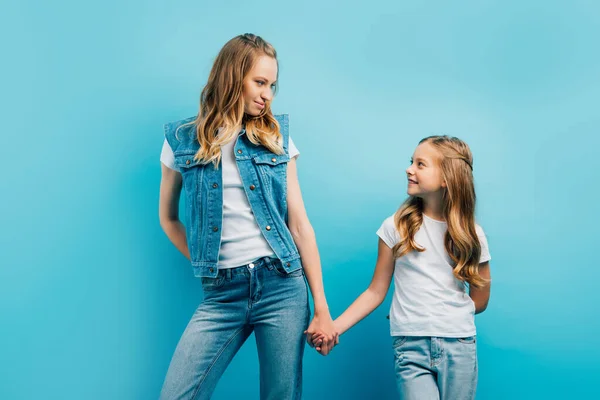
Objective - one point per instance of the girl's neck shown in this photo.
(432, 207)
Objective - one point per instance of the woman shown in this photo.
(247, 233)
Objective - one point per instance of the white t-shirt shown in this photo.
(428, 300)
(241, 239)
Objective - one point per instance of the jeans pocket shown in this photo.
(399, 341)
(209, 284)
(468, 339)
(278, 269)
(398, 349)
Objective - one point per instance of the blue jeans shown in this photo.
(433, 368)
(259, 297)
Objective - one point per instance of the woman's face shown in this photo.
(259, 85)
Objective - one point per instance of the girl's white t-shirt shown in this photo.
(241, 239)
(428, 300)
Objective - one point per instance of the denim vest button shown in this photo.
(187, 162)
(239, 151)
(215, 185)
(211, 270)
(287, 264)
(252, 187)
(268, 227)
(215, 228)
(273, 159)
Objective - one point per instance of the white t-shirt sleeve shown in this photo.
(388, 233)
(292, 149)
(167, 157)
(485, 251)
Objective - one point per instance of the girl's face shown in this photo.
(259, 85)
(424, 173)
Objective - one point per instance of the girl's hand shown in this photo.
(323, 328)
(318, 339)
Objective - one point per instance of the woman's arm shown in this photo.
(168, 209)
(304, 237)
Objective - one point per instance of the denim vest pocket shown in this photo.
(271, 159)
(272, 170)
(185, 159)
(188, 167)
(272, 164)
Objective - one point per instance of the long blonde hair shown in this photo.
(222, 101)
(458, 202)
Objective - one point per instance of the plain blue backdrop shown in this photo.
(93, 297)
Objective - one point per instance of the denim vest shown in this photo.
(264, 176)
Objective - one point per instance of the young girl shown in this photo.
(246, 233)
(433, 249)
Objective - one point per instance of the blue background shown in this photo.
(93, 297)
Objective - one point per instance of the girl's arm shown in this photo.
(168, 209)
(481, 296)
(304, 237)
(371, 298)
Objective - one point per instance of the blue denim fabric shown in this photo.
(264, 175)
(260, 297)
(434, 368)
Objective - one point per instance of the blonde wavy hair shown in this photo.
(458, 199)
(222, 102)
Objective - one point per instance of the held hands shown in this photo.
(322, 334)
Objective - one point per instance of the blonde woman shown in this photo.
(246, 234)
